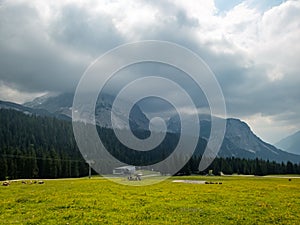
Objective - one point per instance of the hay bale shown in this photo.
(41, 182)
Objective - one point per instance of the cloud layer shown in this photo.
(251, 46)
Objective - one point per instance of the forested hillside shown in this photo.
(44, 147)
(35, 146)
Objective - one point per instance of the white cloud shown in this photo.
(269, 128)
(12, 94)
(254, 52)
(280, 35)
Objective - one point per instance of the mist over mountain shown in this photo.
(239, 140)
(290, 144)
(32, 110)
(62, 104)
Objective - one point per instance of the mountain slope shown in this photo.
(239, 140)
(43, 147)
(31, 111)
(240, 136)
(37, 146)
(291, 143)
(62, 104)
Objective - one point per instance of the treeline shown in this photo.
(37, 147)
(233, 165)
(43, 147)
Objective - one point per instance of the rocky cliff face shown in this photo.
(239, 140)
(62, 104)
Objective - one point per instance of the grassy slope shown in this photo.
(238, 200)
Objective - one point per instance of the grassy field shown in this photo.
(238, 200)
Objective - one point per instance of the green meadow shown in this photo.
(238, 200)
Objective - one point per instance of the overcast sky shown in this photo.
(252, 47)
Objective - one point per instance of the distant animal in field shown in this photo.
(6, 183)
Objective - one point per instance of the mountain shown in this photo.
(62, 105)
(21, 108)
(43, 147)
(291, 143)
(31, 111)
(239, 140)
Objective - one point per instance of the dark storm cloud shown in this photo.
(91, 34)
(48, 51)
(50, 57)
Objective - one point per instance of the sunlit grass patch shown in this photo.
(239, 200)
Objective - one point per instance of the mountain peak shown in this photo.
(239, 140)
(290, 143)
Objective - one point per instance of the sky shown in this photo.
(251, 46)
